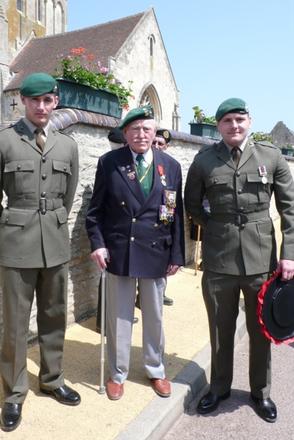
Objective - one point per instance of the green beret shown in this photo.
(231, 105)
(144, 112)
(162, 132)
(38, 84)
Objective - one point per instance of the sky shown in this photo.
(218, 49)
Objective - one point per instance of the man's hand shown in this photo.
(286, 267)
(172, 269)
(100, 256)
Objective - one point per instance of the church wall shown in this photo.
(134, 63)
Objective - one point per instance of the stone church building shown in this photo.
(131, 48)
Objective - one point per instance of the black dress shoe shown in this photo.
(210, 402)
(265, 408)
(167, 301)
(10, 416)
(64, 394)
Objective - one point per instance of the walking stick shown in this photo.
(197, 248)
(101, 389)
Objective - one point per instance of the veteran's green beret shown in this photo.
(162, 132)
(144, 112)
(231, 105)
(38, 84)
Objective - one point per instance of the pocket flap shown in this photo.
(218, 180)
(16, 218)
(19, 165)
(256, 178)
(61, 167)
(61, 214)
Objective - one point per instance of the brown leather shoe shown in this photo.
(114, 390)
(161, 387)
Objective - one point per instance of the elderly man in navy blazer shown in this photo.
(135, 226)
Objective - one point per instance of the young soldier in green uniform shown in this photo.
(39, 174)
(238, 177)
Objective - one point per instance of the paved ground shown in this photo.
(235, 418)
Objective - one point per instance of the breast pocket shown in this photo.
(219, 190)
(60, 173)
(20, 175)
(256, 190)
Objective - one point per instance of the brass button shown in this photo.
(44, 176)
(238, 174)
(43, 194)
(122, 203)
(132, 238)
(43, 159)
(18, 167)
(155, 225)
(134, 220)
(64, 168)
(239, 191)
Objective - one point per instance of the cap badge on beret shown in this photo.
(231, 105)
(164, 133)
(275, 309)
(143, 112)
(38, 84)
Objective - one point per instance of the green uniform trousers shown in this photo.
(19, 285)
(221, 294)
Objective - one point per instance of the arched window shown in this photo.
(39, 10)
(150, 97)
(151, 44)
(59, 18)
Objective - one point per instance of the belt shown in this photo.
(44, 204)
(240, 218)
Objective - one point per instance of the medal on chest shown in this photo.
(263, 173)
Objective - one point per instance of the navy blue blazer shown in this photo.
(127, 223)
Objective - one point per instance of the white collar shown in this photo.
(148, 155)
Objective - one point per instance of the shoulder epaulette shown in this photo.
(266, 144)
(205, 148)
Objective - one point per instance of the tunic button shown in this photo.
(44, 176)
(122, 203)
(18, 167)
(132, 238)
(134, 220)
(239, 191)
(238, 174)
(64, 168)
(43, 194)
(155, 225)
(241, 208)
(43, 159)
